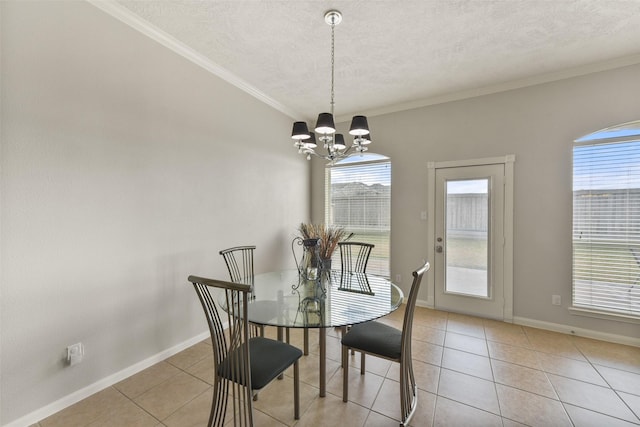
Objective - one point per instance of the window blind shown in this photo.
(358, 198)
(606, 227)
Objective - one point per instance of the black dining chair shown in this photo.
(239, 261)
(242, 364)
(385, 341)
(354, 256)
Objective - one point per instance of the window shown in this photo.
(358, 198)
(606, 221)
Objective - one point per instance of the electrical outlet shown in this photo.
(75, 353)
(556, 300)
(398, 278)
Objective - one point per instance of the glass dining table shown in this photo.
(337, 299)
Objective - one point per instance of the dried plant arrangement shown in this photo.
(329, 236)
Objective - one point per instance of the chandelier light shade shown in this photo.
(300, 131)
(325, 123)
(333, 142)
(359, 126)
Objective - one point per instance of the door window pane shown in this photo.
(466, 245)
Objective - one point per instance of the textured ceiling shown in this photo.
(392, 55)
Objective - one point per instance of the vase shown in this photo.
(310, 261)
(324, 272)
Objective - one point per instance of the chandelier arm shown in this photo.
(335, 155)
(348, 151)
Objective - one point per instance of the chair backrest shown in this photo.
(407, 324)
(355, 282)
(354, 256)
(239, 262)
(231, 351)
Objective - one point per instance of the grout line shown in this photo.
(138, 406)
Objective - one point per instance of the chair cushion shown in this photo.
(269, 358)
(375, 338)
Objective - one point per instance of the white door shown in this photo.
(469, 240)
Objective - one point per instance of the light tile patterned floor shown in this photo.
(470, 372)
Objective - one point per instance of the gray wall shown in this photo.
(538, 124)
(125, 168)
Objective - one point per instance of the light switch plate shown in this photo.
(75, 353)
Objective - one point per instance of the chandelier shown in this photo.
(332, 142)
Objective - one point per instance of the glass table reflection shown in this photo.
(280, 299)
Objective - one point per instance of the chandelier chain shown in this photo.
(333, 26)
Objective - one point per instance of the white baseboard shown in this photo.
(87, 391)
(424, 303)
(565, 329)
(579, 332)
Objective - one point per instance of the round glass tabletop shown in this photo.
(281, 299)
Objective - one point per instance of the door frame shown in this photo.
(508, 162)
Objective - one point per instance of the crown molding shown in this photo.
(134, 21)
(503, 87)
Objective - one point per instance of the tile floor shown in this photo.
(470, 372)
